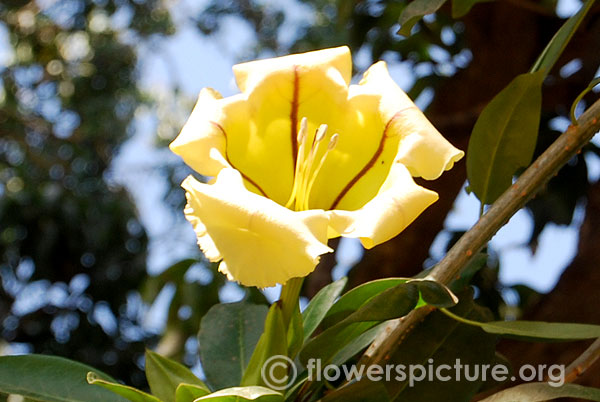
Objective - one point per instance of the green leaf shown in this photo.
(320, 305)
(273, 342)
(189, 392)
(504, 137)
(414, 11)
(360, 391)
(435, 294)
(535, 392)
(560, 40)
(355, 298)
(443, 340)
(460, 8)
(51, 378)
(391, 303)
(132, 394)
(237, 394)
(538, 330)
(164, 376)
(227, 337)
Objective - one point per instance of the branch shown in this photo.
(583, 362)
(513, 199)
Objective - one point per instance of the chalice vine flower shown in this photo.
(300, 156)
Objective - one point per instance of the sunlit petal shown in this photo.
(249, 75)
(200, 143)
(260, 242)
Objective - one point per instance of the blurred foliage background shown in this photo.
(73, 251)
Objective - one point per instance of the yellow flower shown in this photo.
(301, 156)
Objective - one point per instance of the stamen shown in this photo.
(303, 179)
(333, 141)
(299, 160)
(305, 173)
(330, 146)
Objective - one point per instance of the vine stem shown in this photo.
(514, 198)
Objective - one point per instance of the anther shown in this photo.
(303, 129)
(333, 141)
(321, 131)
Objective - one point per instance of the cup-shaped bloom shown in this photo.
(301, 156)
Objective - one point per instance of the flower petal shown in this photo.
(397, 204)
(260, 242)
(248, 75)
(422, 148)
(200, 143)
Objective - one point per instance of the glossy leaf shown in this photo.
(356, 297)
(435, 294)
(538, 330)
(228, 335)
(461, 7)
(189, 392)
(164, 376)
(320, 305)
(537, 392)
(52, 379)
(132, 394)
(238, 394)
(273, 342)
(391, 303)
(504, 137)
(414, 11)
